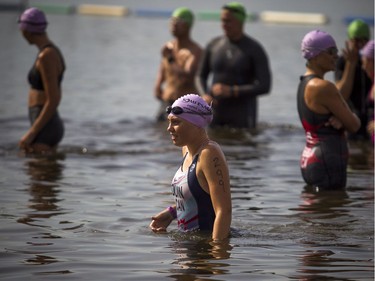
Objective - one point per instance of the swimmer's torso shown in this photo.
(324, 158)
(193, 204)
(177, 85)
(232, 63)
(36, 92)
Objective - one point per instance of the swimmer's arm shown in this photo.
(330, 98)
(202, 74)
(192, 63)
(160, 78)
(345, 84)
(161, 221)
(187, 71)
(216, 173)
(262, 79)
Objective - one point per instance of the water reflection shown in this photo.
(44, 172)
(326, 216)
(323, 265)
(361, 155)
(197, 257)
(323, 203)
(41, 259)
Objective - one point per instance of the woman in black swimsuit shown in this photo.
(45, 76)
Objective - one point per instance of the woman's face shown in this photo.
(328, 59)
(181, 131)
(26, 35)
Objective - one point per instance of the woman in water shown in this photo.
(324, 114)
(45, 78)
(200, 186)
(367, 56)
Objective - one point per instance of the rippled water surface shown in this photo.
(83, 213)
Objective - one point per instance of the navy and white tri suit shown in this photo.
(193, 204)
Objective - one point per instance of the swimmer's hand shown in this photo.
(335, 123)
(161, 221)
(167, 50)
(350, 52)
(220, 90)
(26, 140)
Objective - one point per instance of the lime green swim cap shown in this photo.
(358, 29)
(237, 9)
(184, 14)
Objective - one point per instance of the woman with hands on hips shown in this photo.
(200, 187)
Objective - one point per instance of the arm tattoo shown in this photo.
(219, 172)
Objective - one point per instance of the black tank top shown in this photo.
(313, 122)
(34, 76)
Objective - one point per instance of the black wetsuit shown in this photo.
(243, 63)
(53, 132)
(358, 100)
(324, 158)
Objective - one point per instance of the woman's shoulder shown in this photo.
(212, 148)
(48, 53)
(321, 95)
(321, 86)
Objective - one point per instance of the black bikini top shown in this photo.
(34, 76)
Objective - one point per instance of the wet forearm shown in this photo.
(45, 115)
(222, 225)
(345, 84)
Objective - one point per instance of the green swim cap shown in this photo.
(358, 29)
(184, 14)
(237, 9)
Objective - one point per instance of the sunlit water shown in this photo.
(83, 214)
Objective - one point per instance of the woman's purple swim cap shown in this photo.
(195, 110)
(368, 50)
(315, 42)
(33, 20)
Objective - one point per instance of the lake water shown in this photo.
(83, 214)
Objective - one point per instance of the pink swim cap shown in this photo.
(368, 50)
(315, 42)
(33, 20)
(193, 109)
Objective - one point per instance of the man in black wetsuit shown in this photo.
(240, 72)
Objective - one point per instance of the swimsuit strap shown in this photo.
(309, 77)
(47, 46)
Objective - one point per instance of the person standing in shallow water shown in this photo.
(240, 71)
(324, 114)
(45, 77)
(367, 57)
(179, 63)
(358, 34)
(200, 187)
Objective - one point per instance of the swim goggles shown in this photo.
(331, 51)
(178, 110)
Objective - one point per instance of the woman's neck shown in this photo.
(315, 71)
(195, 147)
(41, 41)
